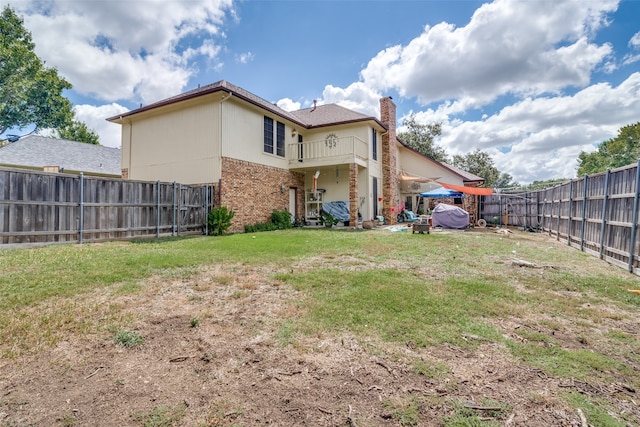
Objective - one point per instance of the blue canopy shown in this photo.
(442, 193)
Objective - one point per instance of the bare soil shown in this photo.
(235, 368)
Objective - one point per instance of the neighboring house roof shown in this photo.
(323, 115)
(35, 151)
(467, 177)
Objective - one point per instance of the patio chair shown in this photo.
(408, 216)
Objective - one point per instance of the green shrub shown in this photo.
(263, 226)
(219, 220)
(129, 339)
(281, 219)
(327, 219)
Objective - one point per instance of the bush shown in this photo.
(281, 219)
(219, 220)
(327, 219)
(129, 339)
(262, 226)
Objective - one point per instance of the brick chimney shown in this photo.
(390, 194)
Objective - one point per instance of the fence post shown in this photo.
(538, 222)
(553, 193)
(206, 210)
(526, 212)
(158, 209)
(179, 209)
(570, 220)
(173, 226)
(560, 199)
(604, 212)
(81, 204)
(584, 212)
(634, 225)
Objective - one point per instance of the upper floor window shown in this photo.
(374, 144)
(268, 135)
(280, 139)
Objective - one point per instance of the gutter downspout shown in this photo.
(226, 96)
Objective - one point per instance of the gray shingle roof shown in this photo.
(39, 151)
(329, 114)
(322, 116)
(468, 176)
(221, 85)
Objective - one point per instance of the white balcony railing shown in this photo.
(348, 149)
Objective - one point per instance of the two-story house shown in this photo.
(261, 157)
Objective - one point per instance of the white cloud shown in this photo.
(116, 50)
(357, 96)
(510, 50)
(508, 47)
(95, 119)
(244, 58)
(634, 43)
(545, 135)
(288, 104)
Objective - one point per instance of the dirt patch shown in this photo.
(215, 353)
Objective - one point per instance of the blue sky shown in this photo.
(531, 82)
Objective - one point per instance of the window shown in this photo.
(280, 139)
(374, 188)
(374, 143)
(268, 135)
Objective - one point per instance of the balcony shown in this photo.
(326, 152)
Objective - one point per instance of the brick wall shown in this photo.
(390, 194)
(253, 191)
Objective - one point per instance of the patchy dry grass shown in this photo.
(435, 312)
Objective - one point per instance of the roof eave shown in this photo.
(464, 179)
(170, 101)
(348, 122)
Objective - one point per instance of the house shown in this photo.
(261, 157)
(41, 153)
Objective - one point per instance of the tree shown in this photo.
(78, 131)
(481, 164)
(30, 93)
(478, 163)
(622, 150)
(421, 138)
(506, 181)
(539, 185)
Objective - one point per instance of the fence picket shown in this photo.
(603, 221)
(47, 207)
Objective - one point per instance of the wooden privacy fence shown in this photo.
(597, 214)
(38, 207)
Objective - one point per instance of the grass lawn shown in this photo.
(458, 289)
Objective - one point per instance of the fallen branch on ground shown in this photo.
(180, 359)
(523, 263)
(94, 372)
(484, 408)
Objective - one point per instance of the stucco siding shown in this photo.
(243, 134)
(416, 165)
(180, 145)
